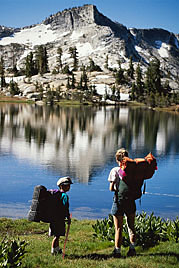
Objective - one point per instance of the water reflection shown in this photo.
(38, 144)
(76, 140)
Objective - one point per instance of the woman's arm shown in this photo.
(111, 186)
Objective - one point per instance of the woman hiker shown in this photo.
(123, 204)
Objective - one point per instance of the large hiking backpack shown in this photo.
(134, 172)
(47, 205)
(141, 168)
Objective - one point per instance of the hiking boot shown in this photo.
(131, 252)
(116, 253)
(56, 251)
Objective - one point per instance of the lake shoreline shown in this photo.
(8, 99)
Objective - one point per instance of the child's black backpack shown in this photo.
(47, 205)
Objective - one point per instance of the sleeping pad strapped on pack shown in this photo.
(134, 172)
(47, 205)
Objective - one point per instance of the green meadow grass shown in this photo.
(82, 249)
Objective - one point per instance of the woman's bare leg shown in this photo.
(118, 223)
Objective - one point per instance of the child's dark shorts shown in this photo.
(122, 207)
(57, 228)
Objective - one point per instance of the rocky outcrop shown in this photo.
(12, 54)
(5, 31)
(71, 19)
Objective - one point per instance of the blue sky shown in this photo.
(131, 13)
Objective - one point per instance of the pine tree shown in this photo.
(14, 70)
(148, 83)
(93, 67)
(106, 95)
(46, 69)
(130, 71)
(139, 83)
(68, 86)
(3, 82)
(59, 58)
(94, 91)
(84, 78)
(29, 65)
(166, 87)
(118, 94)
(14, 89)
(39, 60)
(80, 84)
(42, 60)
(151, 99)
(113, 89)
(58, 93)
(157, 99)
(73, 81)
(153, 77)
(66, 70)
(119, 76)
(85, 86)
(113, 92)
(74, 55)
(50, 97)
(133, 92)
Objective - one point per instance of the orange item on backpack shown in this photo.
(139, 168)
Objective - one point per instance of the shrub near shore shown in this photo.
(150, 230)
(82, 249)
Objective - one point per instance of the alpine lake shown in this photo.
(39, 144)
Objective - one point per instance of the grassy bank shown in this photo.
(82, 249)
(9, 99)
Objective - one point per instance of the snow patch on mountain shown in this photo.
(84, 50)
(138, 49)
(38, 35)
(132, 31)
(163, 48)
(76, 35)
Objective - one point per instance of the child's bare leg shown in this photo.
(55, 242)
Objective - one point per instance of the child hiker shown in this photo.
(57, 228)
(123, 203)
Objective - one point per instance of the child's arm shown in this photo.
(66, 207)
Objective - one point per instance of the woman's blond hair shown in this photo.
(120, 154)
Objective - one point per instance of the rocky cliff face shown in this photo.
(95, 36)
(76, 18)
(72, 19)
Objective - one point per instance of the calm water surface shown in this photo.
(39, 144)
